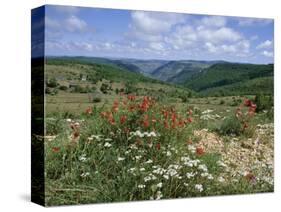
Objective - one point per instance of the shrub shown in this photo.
(222, 102)
(48, 90)
(52, 83)
(263, 102)
(79, 89)
(230, 126)
(96, 99)
(104, 88)
(63, 87)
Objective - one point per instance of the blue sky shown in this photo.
(78, 31)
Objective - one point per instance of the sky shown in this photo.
(82, 31)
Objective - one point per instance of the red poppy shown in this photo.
(250, 177)
(103, 114)
(131, 97)
(166, 125)
(123, 119)
(189, 120)
(89, 111)
(76, 134)
(247, 102)
(158, 146)
(200, 151)
(146, 123)
(56, 149)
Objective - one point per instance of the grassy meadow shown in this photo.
(114, 135)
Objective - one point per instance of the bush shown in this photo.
(263, 102)
(222, 102)
(63, 87)
(79, 89)
(230, 126)
(52, 83)
(48, 90)
(104, 88)
(96, 99)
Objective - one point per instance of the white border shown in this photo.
(15, 103)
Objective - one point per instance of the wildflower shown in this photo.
(90, 138)
(210, 177)
(159, 185)
(166, 176)
(191, 148)
(85, 174)
(142, 169)
(250, 177)
(141, 186)
(83, 158)
(89, 111)
(115, 107)
(131, 97)
(149, 178)
(149, 161)
(120, 159)
(168, 153)
(158, 146)
(128, 151)
(55, 149)
(203, 167)
(107, 144)
(221, 179)
(199, 187)
(138, 157)
(68, 120)
(222, 164)
(172, 172)
(190, 175)
(108, 139)
(123, 119)
(245, 125)
(158, 170)
(185, 184)
(189, 120)
(200, 151)
(159, 195)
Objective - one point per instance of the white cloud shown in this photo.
(157, 46)
(211, 47)
(74, 24)
(220, 35)
(155, 22)
(182, 37)
(265, 45)
(267, 53)
(139, 35)
(240, 48)
(253, 21)
(70, 46)
(214, 21)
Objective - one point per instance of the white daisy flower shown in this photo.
(199, 187)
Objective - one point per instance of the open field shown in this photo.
(114, 140)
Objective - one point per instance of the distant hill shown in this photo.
(99, 60)
(68, 71)
(205, 77)
(248, 87)
(180, 71)
(233, 76)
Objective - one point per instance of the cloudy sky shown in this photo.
(80, 31)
